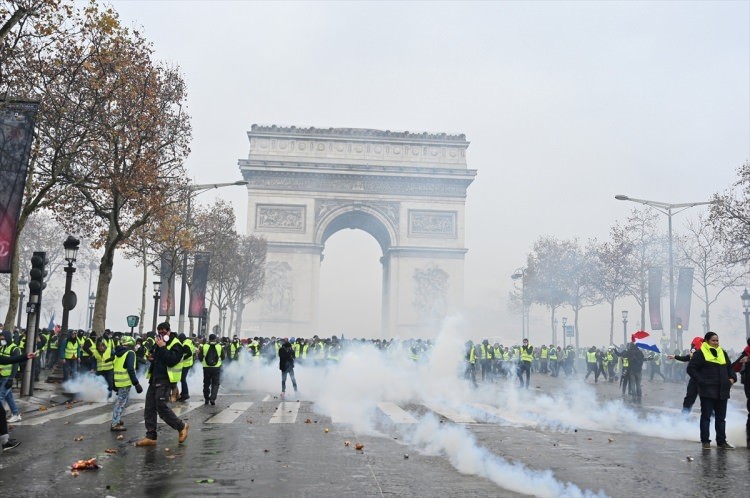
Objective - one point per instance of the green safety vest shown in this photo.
(6, 352)
(205, 351)
(553, 354)
(188, 362)
(122, 378)
(544, 353)
(175, 372)
(591, 357)
(525, 355)
(71, 349)
(103, 360)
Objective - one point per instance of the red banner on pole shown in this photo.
(198, 284)
(16, 135)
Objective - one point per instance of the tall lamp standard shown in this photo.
(194, 190)
(746, 304)
(69, 298)
(223, 321)
(667, 209)
(624, 327)
(157, 286)
(22, 286)
(554, 329)
(704, 318)
(520, 274)
(92, 301)
(564, 321)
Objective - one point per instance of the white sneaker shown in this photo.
(15, 418)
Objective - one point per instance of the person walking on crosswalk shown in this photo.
(286, 365)
(124, 378)
(211, 355)
(166, 358)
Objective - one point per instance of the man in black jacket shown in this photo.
(165, 357)
(286, 365)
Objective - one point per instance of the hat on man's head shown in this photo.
(163, 326)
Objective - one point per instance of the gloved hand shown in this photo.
(138, 388)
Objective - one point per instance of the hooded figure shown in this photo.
(286, 365)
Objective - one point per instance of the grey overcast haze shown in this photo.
(566, 104)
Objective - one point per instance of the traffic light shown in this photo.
(37, 273)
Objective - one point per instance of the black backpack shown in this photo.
(212, 356)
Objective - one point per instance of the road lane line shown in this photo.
(58, 414)
(107, 417)
(450, 414)
(395, 413)
(286, 413)
(229, 415)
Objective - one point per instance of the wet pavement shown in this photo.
(497, 441)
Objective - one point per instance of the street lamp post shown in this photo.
(624, 327)
(194, 190)
(704, 319)
(746, 304)
(157, 286)
(92, 301)
(564, 321)
(554, 330)
(69, 298)
(223, 321)
(22, 287)
(520, 274)
(667, 209)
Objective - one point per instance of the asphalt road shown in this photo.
(560, 438)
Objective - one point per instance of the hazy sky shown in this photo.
(565, 104)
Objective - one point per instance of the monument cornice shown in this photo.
(358, 183)
(356, 134)
(364, 169)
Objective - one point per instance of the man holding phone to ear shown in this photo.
(165, 369)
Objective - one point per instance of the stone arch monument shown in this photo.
(407, 190)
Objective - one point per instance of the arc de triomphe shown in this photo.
(407, 190)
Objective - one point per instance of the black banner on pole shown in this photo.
(198, 284)
(16, 135)
(654, 297)
(166, 289)
(682, 301)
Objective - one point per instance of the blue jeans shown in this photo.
(7, 395)
(284, 373)
(717, 408)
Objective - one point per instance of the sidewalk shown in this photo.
(46, 394)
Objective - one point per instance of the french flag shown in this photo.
(643, 340)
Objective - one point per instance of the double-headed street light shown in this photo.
(194, 190)
(624, 327)
(564, 330)
(669, 210)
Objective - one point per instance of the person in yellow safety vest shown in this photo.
(124, 378)
(211, 355)
(70, 356)
(554, 364)
(188, 351)
(175, 372)
(52, 353)
(103, 354)
(334, 351)
(592, 365)
(9, 350)
(165, 356)
(470, 356)
(543, 359)
(485, 354)
(524, 365)
(88, 361)
(610, 362)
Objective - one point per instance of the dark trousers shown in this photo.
(717, 408)
(747, 426)
(184, 393)
(524, 367)
(635, 381)
(157, 397)
(690, 396)
(211, 381)
(592, 368)
(3, 420)
(109, 377)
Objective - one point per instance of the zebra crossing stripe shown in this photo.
(396, 413)
(286, 413)
(505, 415)
(267, 397)
(181, 409)
(450, 414)
(229, 415)
(58, 414)
(107, 417)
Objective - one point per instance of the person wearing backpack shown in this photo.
(211, 355)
